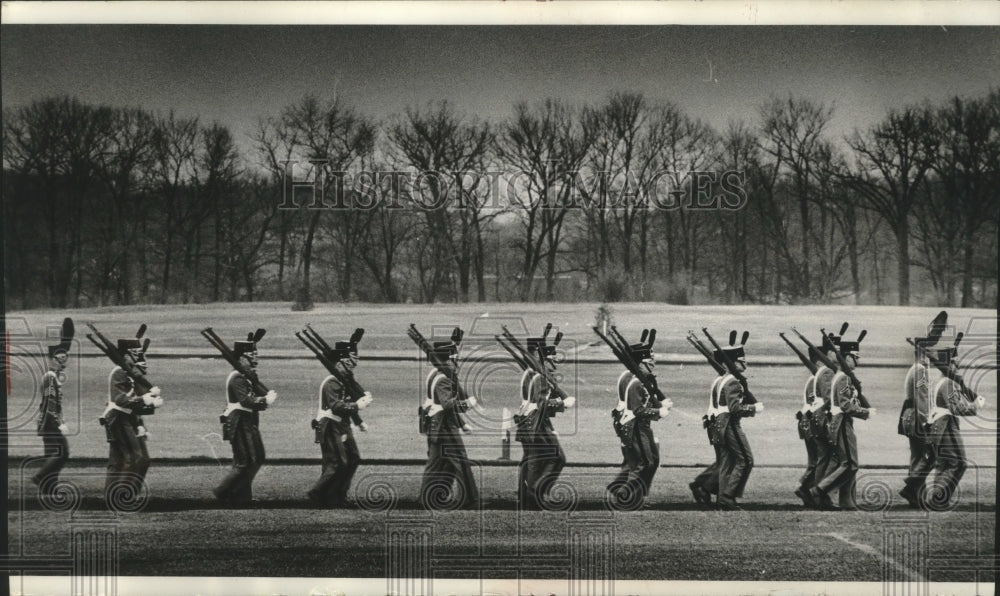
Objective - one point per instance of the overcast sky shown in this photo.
(234, 74)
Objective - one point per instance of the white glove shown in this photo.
(872, 412)
(664, 411)
(569, 402)
(271, 397)
(427, 403)
(466, 428)
(363, 427)
(157, 401)
(434, 409)
(155, 391)
(980, 401)
(140, 431)
(669, 403)
(148, 399)
(621, 406)
(63, 428)
(364, 401)
(759, 406)
(367, 394)
(472, 401)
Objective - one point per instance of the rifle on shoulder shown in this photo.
(234, 360)
(142, 384)
(748, 396)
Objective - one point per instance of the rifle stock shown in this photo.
(718, 368)
(946, 371)
(805, 359)
(535, 365)
(648, 380)
(850, 375)
(731, 367)
(353, 389)
(234, 360)
(111, 351)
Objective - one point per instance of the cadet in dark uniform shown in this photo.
(448, 467)
(128, 459)
(735, 457)
(341, 456)
(525, 421)
(812, 407)
(51, 426)
(547, 459)
(617, 414)
(912, 421)
(844, 407)
(944, 436)
(819, 423)
(706, 483)
(241, 426)
(641, 409)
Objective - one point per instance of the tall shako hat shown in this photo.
(540, 346)
(644, 349)
(948, 354)
(345, 349)
(735, 352)
(831, 342)
(853, 348)
(448, 349)
(65, 339)
(250, 345)
(135, 344)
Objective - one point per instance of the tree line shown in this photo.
(620, 200)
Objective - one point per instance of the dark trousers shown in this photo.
(922, 460)
(949, 467)
(843, 467)
(248, 457)
(735, 462)
(808, 478)
(56, 454)
(127, 457)
(448, 470)
(341, 459)
(540, 467)
(649, 463)
(629, 457)
(826, 459)
(708, 480)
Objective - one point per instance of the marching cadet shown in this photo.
(818, 423)
(811, 413)
(341, 456)
(51, 426)
(448, 463)
(916, 408)
(844, 407)
(641, 409)
(128, 457)
(624, 438)
(735, 457)
(547, 458)
(912, 421)
(241, 425)
(706, 483)
(525, 422)
(951, 400)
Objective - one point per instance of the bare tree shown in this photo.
(332, 137)
(175, 141)
(793, 135)
(893, 158)
(968, 165)
(543, 146)
(447, 152)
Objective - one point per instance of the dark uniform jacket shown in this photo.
(244, 407)
(444, 424)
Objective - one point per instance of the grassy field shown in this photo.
(182, 531)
